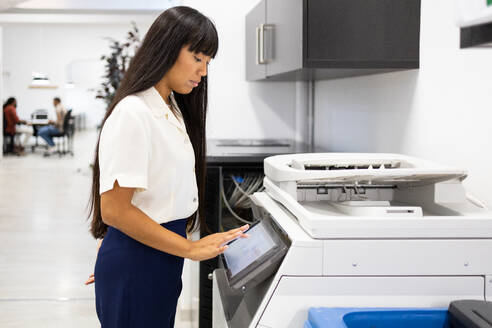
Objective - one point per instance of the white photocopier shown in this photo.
(354, 230)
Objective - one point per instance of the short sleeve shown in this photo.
(124, 150)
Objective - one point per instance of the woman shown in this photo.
(11, 120)
(145, 193)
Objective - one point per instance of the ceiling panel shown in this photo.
(95, 6)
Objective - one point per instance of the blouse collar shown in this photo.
(161, 110)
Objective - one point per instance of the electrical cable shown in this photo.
(252, 184)
(240, 195)
(238, 186)
(226, 203)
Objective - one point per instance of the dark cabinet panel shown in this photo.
(476, 36)
(319, 39)
(362, 33)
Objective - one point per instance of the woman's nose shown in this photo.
(203, 70)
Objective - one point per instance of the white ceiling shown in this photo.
(85, 6)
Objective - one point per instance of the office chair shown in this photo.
(66, 146)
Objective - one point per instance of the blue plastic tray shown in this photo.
(377, 318)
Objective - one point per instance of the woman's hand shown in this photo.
(91, 278)
(212, 245)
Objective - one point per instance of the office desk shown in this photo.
(35, 126)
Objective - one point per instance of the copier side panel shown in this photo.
(407, 257)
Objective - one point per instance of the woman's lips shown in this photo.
(193, 83)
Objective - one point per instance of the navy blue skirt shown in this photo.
(137, 285)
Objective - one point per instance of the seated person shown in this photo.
(47, 132)
(11, 118)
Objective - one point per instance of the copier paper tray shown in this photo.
(461, 314)
(377, 318)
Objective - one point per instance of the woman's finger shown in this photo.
(222, 249)
(240, 229)
(90, 280)
(228, 237)
(225, 239)
(231, 232)
(244, 228)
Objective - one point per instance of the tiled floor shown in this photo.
(46, 251)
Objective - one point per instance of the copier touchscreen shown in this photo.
(244, 251)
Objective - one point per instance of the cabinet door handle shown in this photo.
(262, 43)
(257, 45)
(261, 40)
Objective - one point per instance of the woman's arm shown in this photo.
(118, 212)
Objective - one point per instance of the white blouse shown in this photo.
(145, 146)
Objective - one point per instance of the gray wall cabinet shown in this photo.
(322, 39)
(256, 17)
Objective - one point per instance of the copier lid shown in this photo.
(342, 168)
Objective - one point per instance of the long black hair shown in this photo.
(9, 101)
(172, 30)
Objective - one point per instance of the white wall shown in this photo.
(441, 112)
(237, 108)
(61, 51)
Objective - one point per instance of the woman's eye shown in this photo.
(197, 59)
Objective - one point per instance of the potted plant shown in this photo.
(116, 63)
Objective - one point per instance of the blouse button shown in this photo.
(194, 199)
